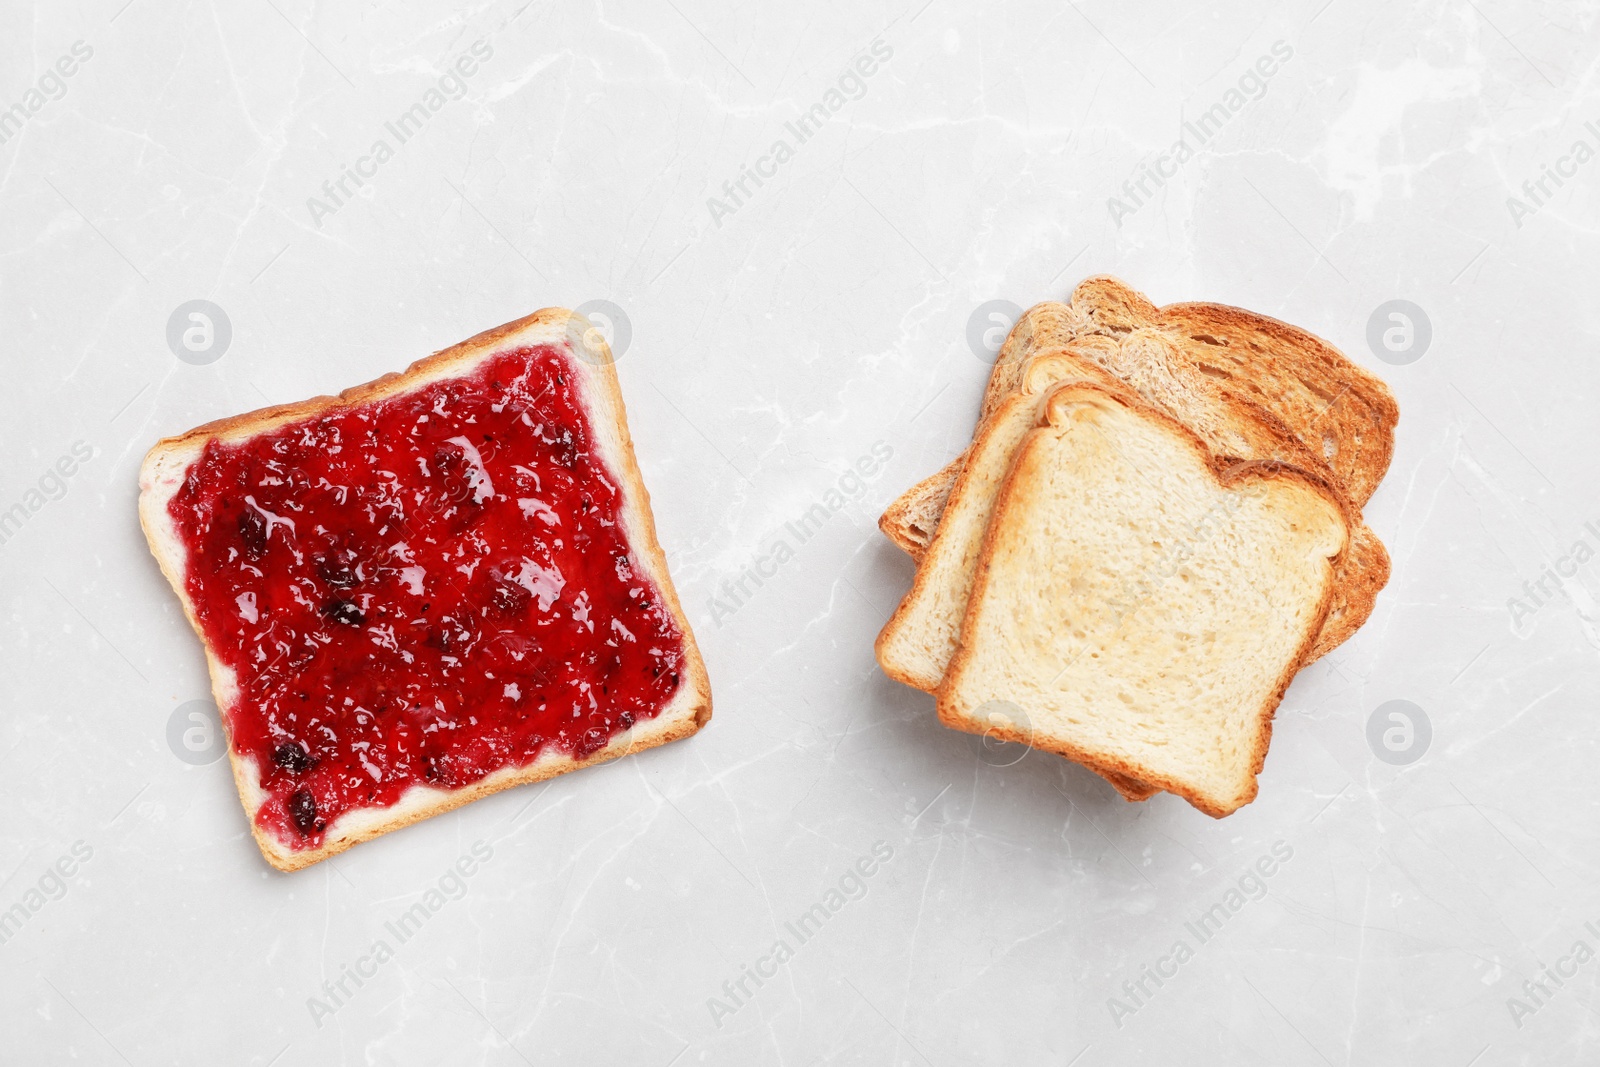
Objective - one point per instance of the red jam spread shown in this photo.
(422, 590)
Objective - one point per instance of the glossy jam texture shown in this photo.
(422, 590)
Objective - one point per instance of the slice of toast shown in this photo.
(362, 691)
(1143, 603)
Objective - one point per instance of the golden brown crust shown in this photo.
(1131, 789)
(689, 709)
(903, 523)
(1256, 344)
(1227, 475)
(1360, 576)
(1112, 305)
(1039, 325)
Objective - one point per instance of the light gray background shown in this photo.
(769, 354)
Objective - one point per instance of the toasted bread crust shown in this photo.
(1367, 412)
(1288, 371)
(1227, 475)
(913, 518)
(690, 709)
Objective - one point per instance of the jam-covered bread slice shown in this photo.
(427, 589)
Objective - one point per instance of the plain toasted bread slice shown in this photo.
(590, 370)
(1144, 605)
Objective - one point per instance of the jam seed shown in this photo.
(253, 532)
(510, 597)
(344, 611)
(338, 568)
(292, 757)
(303, 809)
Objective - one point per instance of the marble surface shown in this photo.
(1426, 899)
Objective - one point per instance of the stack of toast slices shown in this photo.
(1156, 525)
